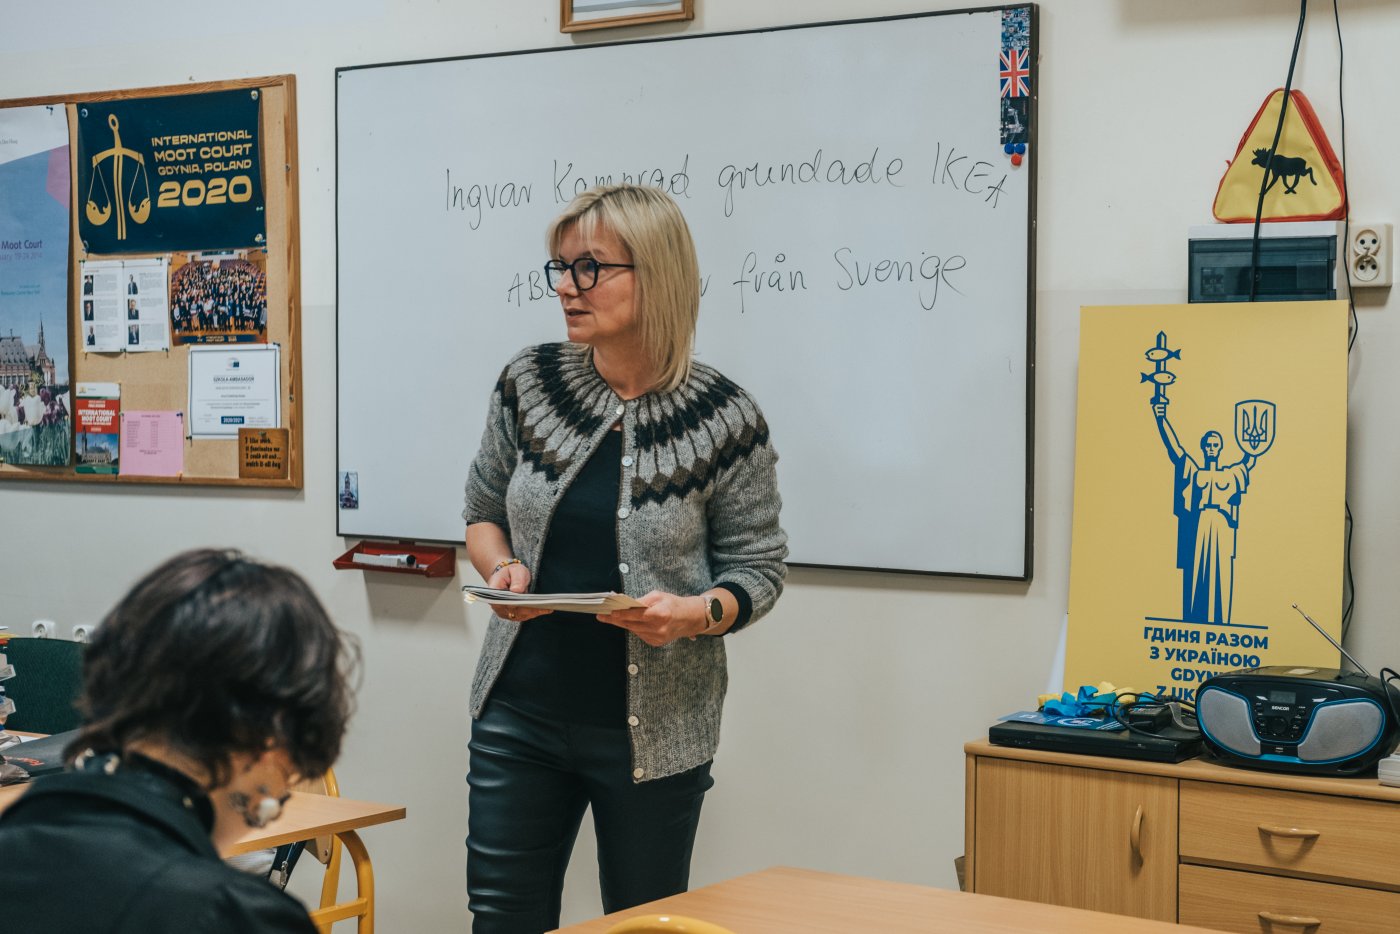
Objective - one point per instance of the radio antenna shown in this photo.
(1334, 642)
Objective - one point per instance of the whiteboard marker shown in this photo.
(386, 561)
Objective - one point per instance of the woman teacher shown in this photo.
(611, 462)
(213, 684)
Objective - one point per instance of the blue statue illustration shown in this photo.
(1206, 495)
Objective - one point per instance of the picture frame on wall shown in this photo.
(578, 15)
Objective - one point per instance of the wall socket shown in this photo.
(1370, 253)
(44, 629)
(82, 633)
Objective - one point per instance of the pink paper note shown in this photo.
(152, 444)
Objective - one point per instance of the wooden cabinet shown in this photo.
(1077, 837)
(1194, 842)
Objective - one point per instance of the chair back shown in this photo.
(665, 924)
(48, 678)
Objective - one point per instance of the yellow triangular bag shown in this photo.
(1305, 178)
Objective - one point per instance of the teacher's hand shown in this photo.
(516, 579)
(662, 619)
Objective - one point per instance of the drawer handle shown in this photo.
(1136, 836)
(1297, 832)
(1298, 921)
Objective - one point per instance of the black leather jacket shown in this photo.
(127, 853)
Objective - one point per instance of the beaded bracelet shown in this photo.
(504, 564)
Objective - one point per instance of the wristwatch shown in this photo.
(716, 611)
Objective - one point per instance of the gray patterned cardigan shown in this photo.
(698, 507)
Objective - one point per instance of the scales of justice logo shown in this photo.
(1206, 494)
(138, 211)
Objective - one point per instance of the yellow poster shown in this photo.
(1209, 491)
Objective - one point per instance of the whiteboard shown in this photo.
(865, 246)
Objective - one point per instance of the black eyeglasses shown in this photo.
(584, 269)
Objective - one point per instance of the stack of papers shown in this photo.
(604, 602)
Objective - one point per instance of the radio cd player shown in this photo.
(1297, 719)
(1300, 719)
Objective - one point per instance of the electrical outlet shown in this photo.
(1369, 255)
(44, 629)
(82, 632)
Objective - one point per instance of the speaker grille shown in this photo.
(1342, 730)
(1226, 719)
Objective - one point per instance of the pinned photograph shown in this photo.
(348, 489)
(219, 298)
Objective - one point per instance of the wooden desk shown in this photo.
(783, 900)
(311, 815)
(9, 793)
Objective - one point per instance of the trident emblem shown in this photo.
(1255, 425)
(139, 212)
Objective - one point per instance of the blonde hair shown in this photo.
(652, 229)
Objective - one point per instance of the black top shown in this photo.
(127, 853)
(568, 666)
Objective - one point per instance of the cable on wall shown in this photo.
(1273, 153)
(1349, 583)
(1354, 323)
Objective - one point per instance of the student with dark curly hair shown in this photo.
(212, 686)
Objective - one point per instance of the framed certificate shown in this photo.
(577, 15)
(233, 388)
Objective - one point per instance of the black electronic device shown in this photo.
(1282, 718)
(1296, 261)
(1171, 744)
(1295, 269)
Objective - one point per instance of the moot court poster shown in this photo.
(35, 407)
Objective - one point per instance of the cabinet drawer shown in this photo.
(1322, 836)
(1252, 903)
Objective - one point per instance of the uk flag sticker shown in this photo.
(1015, 73)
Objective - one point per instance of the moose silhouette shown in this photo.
(1282, 167)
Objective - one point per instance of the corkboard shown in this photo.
(159, 380)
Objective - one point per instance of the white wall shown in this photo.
(850, 704)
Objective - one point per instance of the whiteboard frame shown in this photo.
(1030, 169)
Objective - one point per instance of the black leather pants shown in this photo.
(531, 780)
